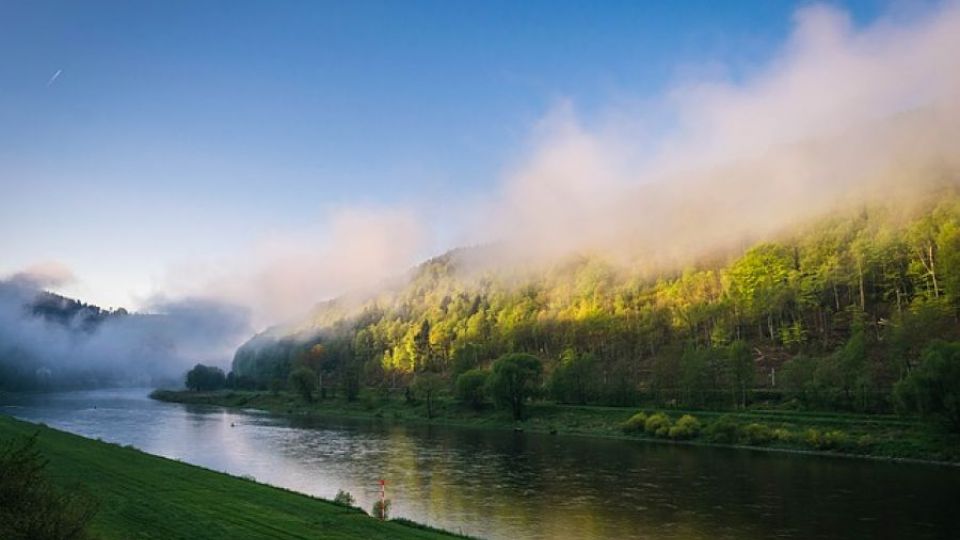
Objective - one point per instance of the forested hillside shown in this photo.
(831, 314)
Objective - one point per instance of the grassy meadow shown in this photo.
(143, 496)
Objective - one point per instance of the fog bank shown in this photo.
(47, 341)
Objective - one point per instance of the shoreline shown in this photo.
(610, 425)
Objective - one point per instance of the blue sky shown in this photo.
(187, 130)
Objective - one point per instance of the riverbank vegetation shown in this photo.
(138, 495)
(873, 435)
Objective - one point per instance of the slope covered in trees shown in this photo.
(828, 315)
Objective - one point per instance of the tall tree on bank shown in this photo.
(515, 378)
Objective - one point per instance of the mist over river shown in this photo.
(502, 485)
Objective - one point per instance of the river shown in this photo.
(504, 485)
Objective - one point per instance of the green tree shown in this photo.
(471, 386)
(465, 358)
(924, 321)
(350, 379)
(695, 376)
(304, 381)
(933, 387)
(842, 377)
(205, 378)
(515, 378)
(574, 380)
(798, 377)
(422, 352)
(740, 371)
(427, 386)
(760, 284)
(344, 498)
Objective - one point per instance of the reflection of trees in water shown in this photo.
(558, 487)
(517, 485)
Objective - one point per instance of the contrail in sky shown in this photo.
(54, 77)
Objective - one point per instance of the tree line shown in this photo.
(832, 316)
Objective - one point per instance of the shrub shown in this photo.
(835, 439)
(756, 434)
(687, 427)
(657, 424)
(636, 422)
(828, 440)
(722, 430)
(782, 435)
(33, 507)
(381, 509)
(344, 498)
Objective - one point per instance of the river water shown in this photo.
(504, 485)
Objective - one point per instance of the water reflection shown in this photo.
(516, 485)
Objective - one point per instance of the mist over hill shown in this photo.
(833, 312)
(48, 341)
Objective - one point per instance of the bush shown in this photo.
(865, 442)
(636, 422)
(723, 430)
(30, 506)
(344, 498)
(756, 434)
(782, 435)
(657, 424)
(835, 439)
(381, 509)
(828, 440)
(687, 427)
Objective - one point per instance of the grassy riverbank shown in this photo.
(145, 496)
(878, 436)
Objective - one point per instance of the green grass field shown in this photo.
(145, 496)
(872, 435)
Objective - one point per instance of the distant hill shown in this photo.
(69, 312)
(38, 329)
